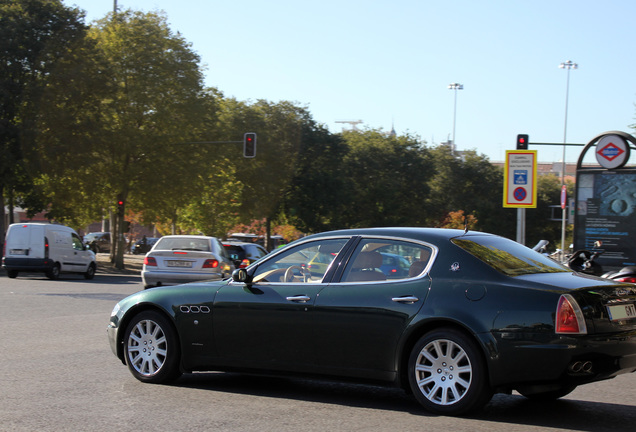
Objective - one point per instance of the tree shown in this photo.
(267, 177)
(34, 36)
(388, 180)
(148, 107)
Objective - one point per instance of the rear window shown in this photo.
(507, 256)
(235, 250)
(193, 244)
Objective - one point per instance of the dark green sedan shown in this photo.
(475, 314)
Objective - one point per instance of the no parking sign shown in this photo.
(520, 179)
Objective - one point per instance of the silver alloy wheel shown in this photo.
(443, 372)
(147, 347)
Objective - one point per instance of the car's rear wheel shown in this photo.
(152, 348)
(54, 272)
(12, 274)
(447, 373)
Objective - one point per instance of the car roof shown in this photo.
(238, 243)
(187, 236)
(417, 233)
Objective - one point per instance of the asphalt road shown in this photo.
(57, 373)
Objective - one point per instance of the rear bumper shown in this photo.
(27, 264)
(569, 360)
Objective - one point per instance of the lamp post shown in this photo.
(567, 66)
(455, 87)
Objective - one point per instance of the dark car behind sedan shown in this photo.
(243, 254)
(476, 314)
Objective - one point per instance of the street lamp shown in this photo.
(455, 86)
(566, 65)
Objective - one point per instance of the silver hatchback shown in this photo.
(178, 259)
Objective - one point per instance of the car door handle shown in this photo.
(405, 299)
(299, 298)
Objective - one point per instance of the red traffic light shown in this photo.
(249, 145)
(522, 142)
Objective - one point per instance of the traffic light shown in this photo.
(522, 142)
(249, 145)
(120, 206)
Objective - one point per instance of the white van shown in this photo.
(48, 248)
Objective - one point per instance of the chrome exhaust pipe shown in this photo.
(578, 367)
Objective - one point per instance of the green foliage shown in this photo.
(216, 207)
(35, 36)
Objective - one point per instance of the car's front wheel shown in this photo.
(152, 348)
(447, 373)
(90, 271)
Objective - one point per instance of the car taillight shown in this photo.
(630, 279)
(569, 318)
(150, 261)
(46, 247)
(244, 263)
(210, 263)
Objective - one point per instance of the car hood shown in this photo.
(167, 296)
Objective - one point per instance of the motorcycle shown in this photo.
(583, 261)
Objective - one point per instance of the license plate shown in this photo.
(622, 312)
(19, 251)
(178, 263)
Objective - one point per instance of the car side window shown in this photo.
(77, 242)
(305, 263)
(380, 260)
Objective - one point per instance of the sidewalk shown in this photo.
(132, 264)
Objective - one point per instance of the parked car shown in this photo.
(98, 241)
(48, 248)
(475, 315)
(394, 265)
(144, 245)
(178, 259)
(243, 254)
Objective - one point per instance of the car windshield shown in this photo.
(183, 243)
(508, 257)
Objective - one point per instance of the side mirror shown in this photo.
(241, 275)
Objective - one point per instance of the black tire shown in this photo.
(54, 272)
(152, 348)
(12, 274)
(448, 374)
(90, 271)
(551, 395)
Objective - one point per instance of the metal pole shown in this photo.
(566, 65)
(455, 87)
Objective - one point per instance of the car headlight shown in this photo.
(115, 310)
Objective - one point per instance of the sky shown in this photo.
(389, 63)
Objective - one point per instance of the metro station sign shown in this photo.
(612, 151)
(520, 179)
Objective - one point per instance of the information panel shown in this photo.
(520, 179)
(606, 211)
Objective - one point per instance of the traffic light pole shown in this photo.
(249, 144)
